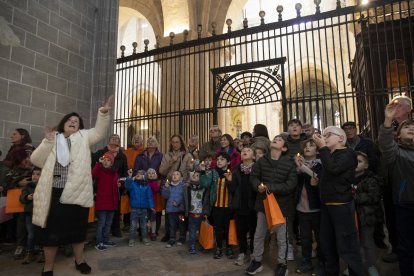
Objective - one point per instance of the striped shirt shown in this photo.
(60, 173)
(222, 193)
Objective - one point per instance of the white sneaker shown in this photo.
(240, 259)
(131, 243)
(345, 272)
(372, 271)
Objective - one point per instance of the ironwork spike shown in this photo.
(279, 9)
(134, 45)
(245, 23)
(228, 23)
(317, 3)
(157, 40)
(172, 35)
(213, 28)
(298, 7)
(122, 50)
(185, 33)
(199, 30)
(262, 15)
(338, 4)
(146, 42)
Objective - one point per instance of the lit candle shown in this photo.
(395, 102)
(228, 171)
(202, 162)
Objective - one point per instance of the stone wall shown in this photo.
(48, 62)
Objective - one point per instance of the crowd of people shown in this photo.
(336, 190)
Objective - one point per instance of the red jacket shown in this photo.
(106, 188)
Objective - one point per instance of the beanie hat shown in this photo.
(109, 155)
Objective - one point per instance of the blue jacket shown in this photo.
(140, 195)
(174, 194)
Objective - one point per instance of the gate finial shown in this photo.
(213, 28)
(279, 9)
(185, 33)
(317, 3)
(157, 42)
(122, 51)
(146, 42)
(262, 15)
(338, 4)
(228, 23)
(199, 30)
(298, 7)
(134, 46)
(172, 34)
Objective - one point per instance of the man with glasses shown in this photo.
(210, 148)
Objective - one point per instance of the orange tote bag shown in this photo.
(13, 204)
(160, 202)
(273, 213)
(125, 207)
(91, 216)
(233, 233)
(206, 238)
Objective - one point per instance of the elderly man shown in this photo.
(193, 146)
(404, 106)
(361, 143)
(132, 152)
(213, 145)
(402, 113)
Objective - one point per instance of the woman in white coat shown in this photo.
(64, 192)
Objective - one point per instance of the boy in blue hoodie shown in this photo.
(140, 200)
(173, 192)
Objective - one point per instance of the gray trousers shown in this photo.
(366, 235)
(260, 235)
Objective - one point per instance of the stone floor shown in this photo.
(152, 260)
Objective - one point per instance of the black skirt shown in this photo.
(66, 223)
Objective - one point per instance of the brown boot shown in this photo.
(28, 258)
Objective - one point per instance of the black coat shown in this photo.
(338, 175)
(240, 184)
(29, 189)
(368, 199)
(280, 180)
(312, 191)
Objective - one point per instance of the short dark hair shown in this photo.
(246, 133)
(36, 169)
(363, 154)
(225, 155)
(61, 125)
(310, 140)
(260, 130)
(349, 123)
(26, 136)
(294, 121)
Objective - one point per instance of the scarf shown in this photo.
(246, 169)
(62, 148)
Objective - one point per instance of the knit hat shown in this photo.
(109, 155)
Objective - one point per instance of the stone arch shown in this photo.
(151, 10)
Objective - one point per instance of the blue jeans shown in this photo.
(30, 232)
(174, 221)
(193, 227)
(104, 225)
(138, 216)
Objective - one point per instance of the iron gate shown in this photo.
(339, 65)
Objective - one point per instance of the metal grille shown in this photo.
(324, 69)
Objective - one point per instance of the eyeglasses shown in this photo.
(329, 134)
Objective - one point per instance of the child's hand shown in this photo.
(119, 184)
(228, 175)
(153, 210)
(174, 203)
(130, 173)
(202, 166)
(314, 181)
(167, 184)
(30, 197)
(101, 159)
(24, 182)
(261, 188)
(299, 160)
(319, 141)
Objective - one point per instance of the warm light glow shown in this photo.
(363, 2)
